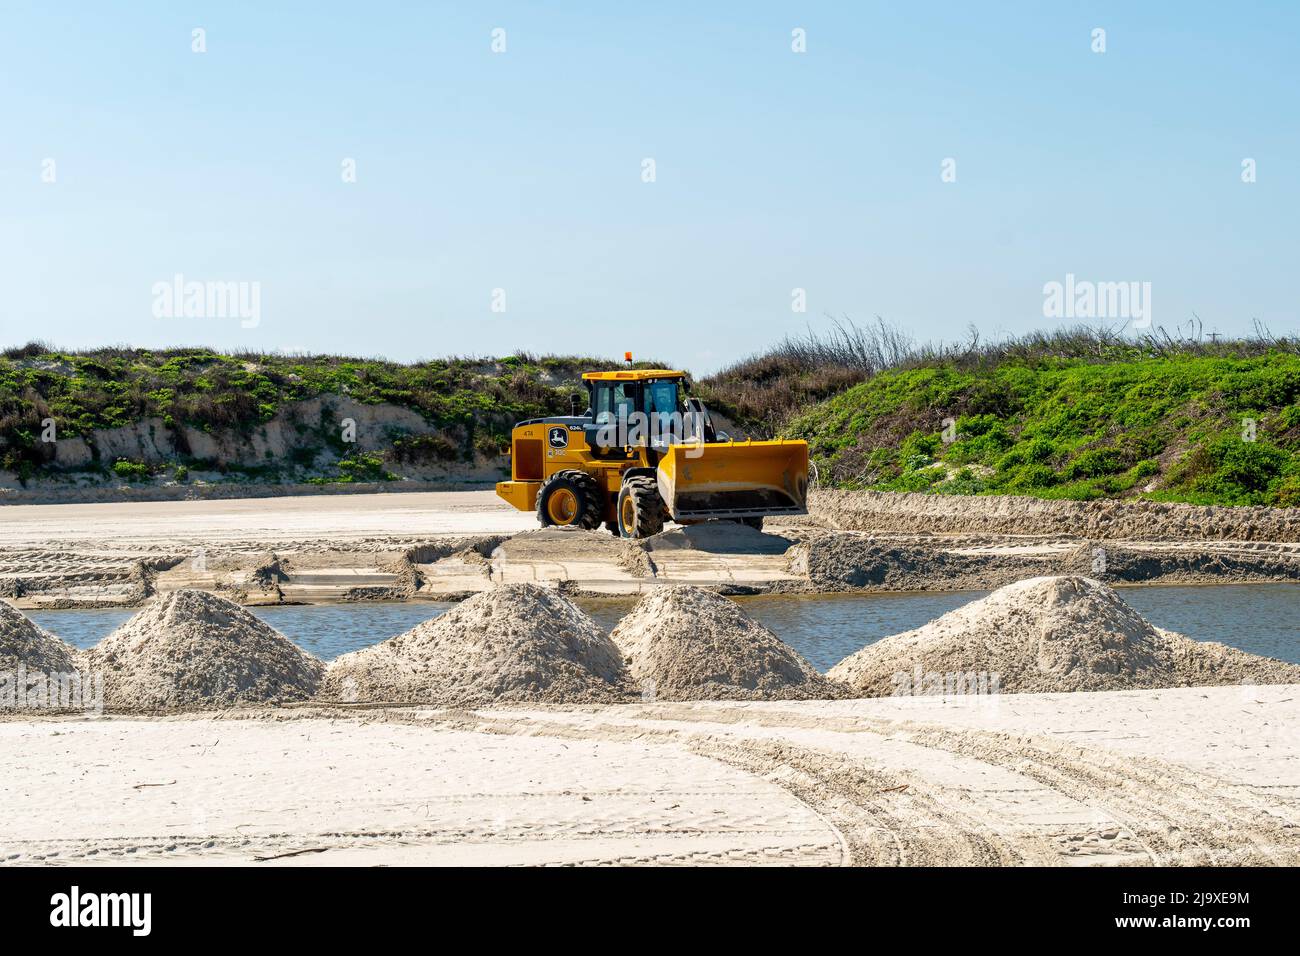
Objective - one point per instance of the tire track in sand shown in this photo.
(1177, 815)
(883, 817)
(1162, 813)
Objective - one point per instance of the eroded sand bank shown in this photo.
(1194, 775)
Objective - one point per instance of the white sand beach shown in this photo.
(1193, 775)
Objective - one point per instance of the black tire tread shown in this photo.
(649, 506)
(591, 514)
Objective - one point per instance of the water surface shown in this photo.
(1260, 618)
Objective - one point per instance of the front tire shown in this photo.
(640, 510)
(569, 499)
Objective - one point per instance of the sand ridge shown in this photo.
(1012, 514)
(549, 544)
(522, 643)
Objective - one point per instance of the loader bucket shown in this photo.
(734, 479)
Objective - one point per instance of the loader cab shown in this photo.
(612, 402)
(633, 409)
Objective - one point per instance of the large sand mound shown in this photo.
(24, 644)
(195, 649)
(1050, 634)
(516, 642)
(692, 644)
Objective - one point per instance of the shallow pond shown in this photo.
(1260, 618)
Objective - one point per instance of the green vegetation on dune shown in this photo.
(1172, 429)
(470, 404)
(109, 388)
(1068, 414)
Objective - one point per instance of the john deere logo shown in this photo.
(559, 438)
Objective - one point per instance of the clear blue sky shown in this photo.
(522, 170)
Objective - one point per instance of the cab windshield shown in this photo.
(658, 409)
(661, 400)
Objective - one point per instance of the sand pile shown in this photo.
(1209, 663)
(195, 649)
(515, 642)
(697, 645)
(1050, 634)
(24, 644)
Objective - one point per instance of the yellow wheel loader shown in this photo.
(645, 452)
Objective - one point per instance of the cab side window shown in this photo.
(624, 401)
(601, 404)
(613, 402)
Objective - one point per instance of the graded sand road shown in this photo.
(238, 520)
(82, 554)
(1193, 775)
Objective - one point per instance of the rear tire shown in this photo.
(569, 499)
(640, 510)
